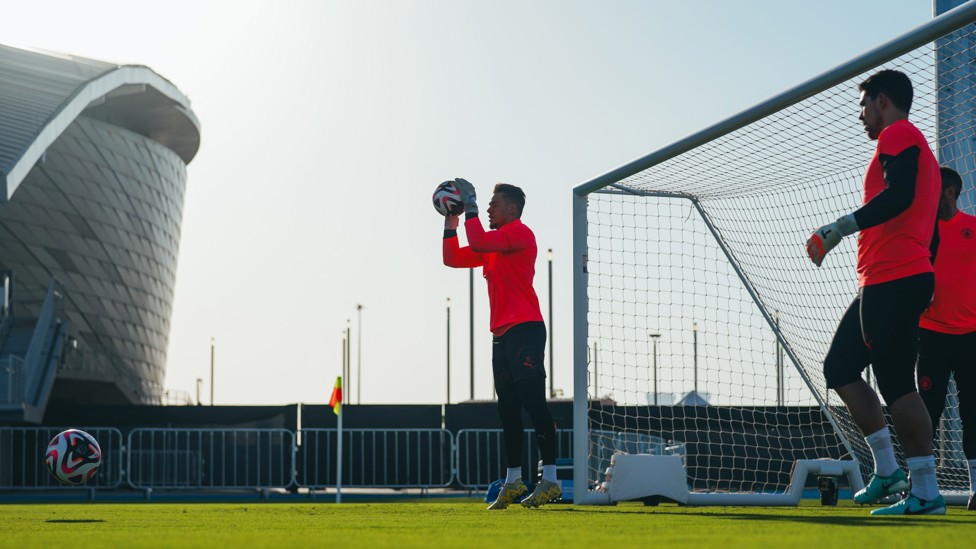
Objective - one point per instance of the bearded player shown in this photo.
(897, 225)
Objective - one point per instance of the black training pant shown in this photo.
(517, 362)
(939, 356)
(880, 329)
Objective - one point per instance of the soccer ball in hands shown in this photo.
(447, 199)
(73, 457)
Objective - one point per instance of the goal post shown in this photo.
(699, 325)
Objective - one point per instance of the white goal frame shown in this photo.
(610, 182)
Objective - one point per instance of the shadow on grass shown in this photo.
(73, 521)
(818, 519)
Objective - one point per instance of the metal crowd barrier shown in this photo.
(211, 458)
(22, 452)
(390, 458)
(481, 455)
(260, 459)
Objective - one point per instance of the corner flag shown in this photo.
(336, 401)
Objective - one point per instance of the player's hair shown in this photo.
(951, 178)
(512, 193)
(894, 84)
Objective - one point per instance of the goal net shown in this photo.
(700, 324)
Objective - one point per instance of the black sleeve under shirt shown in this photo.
(900, 175)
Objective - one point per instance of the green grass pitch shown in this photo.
(466, 523)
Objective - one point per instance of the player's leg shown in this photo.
(843, 367)
(525, 347)
(533, 394)
(889, 318)
(932, 373)
(528, 346)
(964, 355)
(510, 414)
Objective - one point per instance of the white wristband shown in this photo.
(847, 225)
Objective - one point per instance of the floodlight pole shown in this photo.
(596, 370)
(448, 350)
(552, 322)
(471, 326)
(694, 330)
(780, 372)
(654, 338)
(359, 354)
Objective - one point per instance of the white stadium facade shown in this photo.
(93, 159)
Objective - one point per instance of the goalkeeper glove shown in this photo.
(468, 196)
(829, 236)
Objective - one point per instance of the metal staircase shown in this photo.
(30, 351)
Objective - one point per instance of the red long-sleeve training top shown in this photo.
(508, 256)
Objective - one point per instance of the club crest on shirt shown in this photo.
(966, 233)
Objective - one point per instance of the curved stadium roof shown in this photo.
(41, 94)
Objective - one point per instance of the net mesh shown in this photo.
(671, 322)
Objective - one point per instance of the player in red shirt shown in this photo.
(880, 328)
(947, 339)
(507, 255)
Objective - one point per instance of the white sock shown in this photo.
(883, 452)
(513, 474)
(549, 473)
(972, 475)
(924, 484)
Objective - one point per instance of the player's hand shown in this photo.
(827, 237)
(451, 222)
(822, 241)
(468, 195)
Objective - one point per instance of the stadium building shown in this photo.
(93, 159)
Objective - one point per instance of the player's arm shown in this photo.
(502, 240)
(454, 254)
(901, 176)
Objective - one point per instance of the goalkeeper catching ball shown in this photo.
(507, 255)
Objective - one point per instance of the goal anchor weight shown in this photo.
(828, 490)
(643, 476)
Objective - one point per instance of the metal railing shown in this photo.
(13, 380)
(211, 458)
(394, 458)
(22, 452)
(6, 309)
(481, 455)
(263, 459)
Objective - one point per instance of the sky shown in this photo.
(326, 125)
